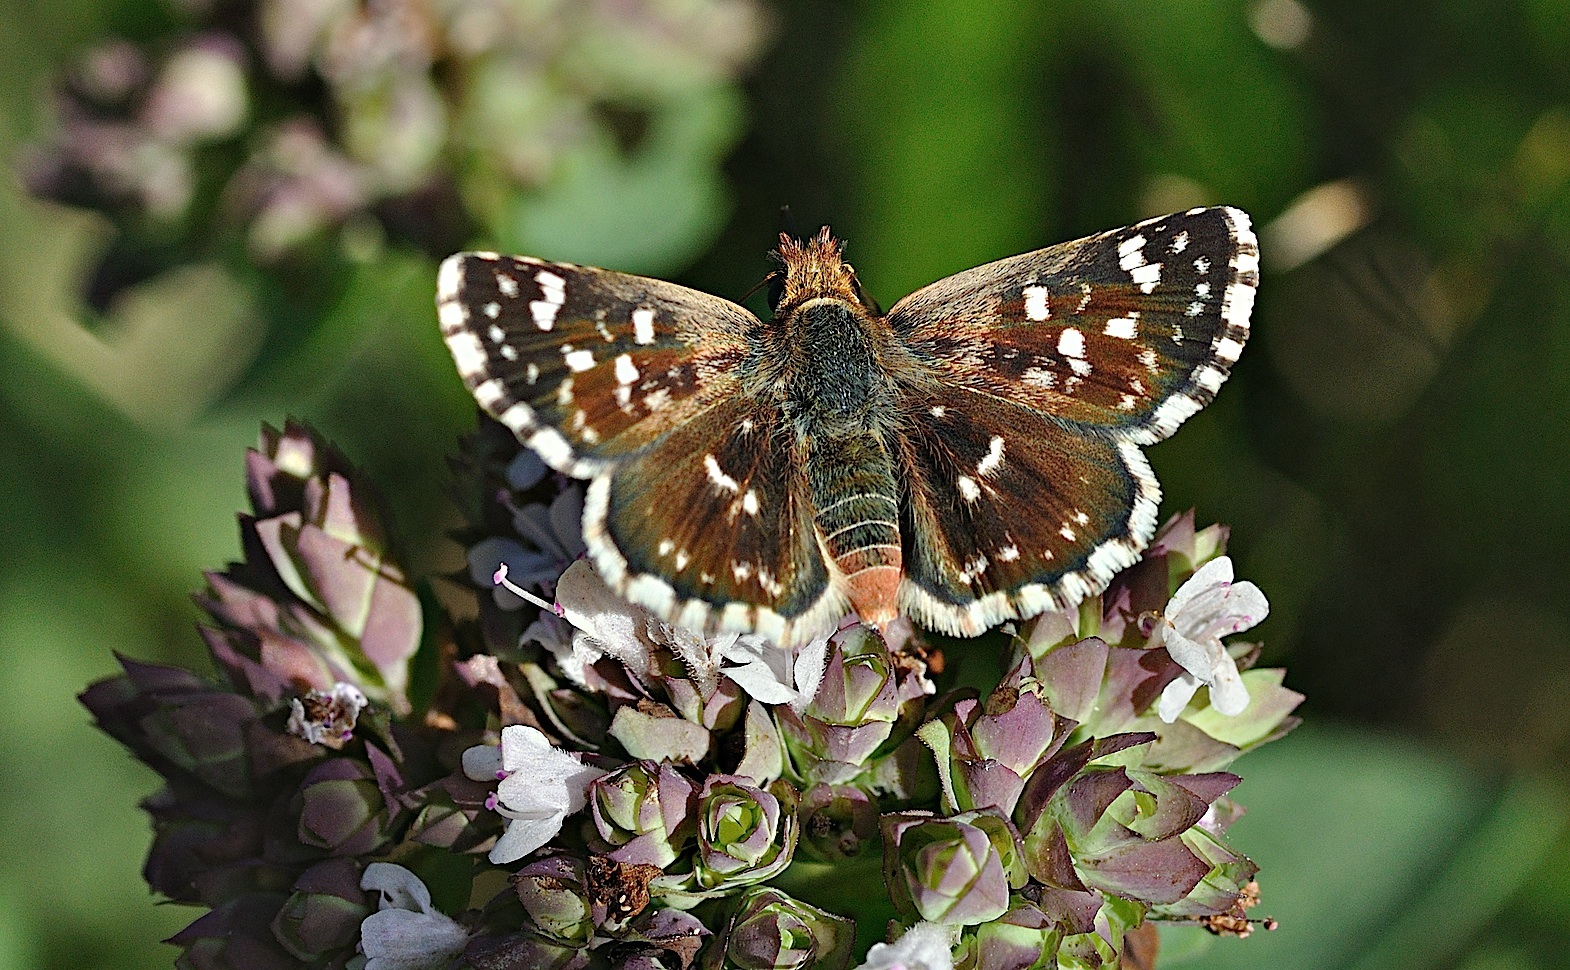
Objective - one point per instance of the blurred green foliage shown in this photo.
(1393, 451)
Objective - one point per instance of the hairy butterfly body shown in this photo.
(972, 456)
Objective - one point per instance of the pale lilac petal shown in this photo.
(1176, 696)
(925, 946)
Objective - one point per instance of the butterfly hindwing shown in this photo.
(1125, 333)
(587, 366)
(713, 529)
(1010, 512)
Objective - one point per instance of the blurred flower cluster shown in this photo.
(371, 781)
(420, 121)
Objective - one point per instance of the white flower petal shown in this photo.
(544, 785)
(1216, 572)
(407, 933)
(396, 939)
(399, 887)
(1176, 696)
(1227, 693)
(811, 660)
(761, 682)
(482, 762)
(700, 657)
(522, 837)
(1246, 607)
(589, 605)
(1196, 658)
(925, 946)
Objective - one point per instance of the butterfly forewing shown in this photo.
(713, 528)
(586, 366)
(1127, 332)
(1011, 512)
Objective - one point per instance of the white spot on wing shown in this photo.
(579, 360)
(1124, 328)
(1071, 343)
(553, 293)
(1036, 303)
(506, 284)
(1039, 377)
(643, 326)
(626, 370)
(449, 279)
(717, 475)
(467, 353)
(968, 489)
(993, 459)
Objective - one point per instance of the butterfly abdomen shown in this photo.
(857, 516)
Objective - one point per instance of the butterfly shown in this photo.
(969, 457)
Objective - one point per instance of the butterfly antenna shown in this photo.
(788, 223)
(773, 276)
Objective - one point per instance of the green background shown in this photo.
(1393, 450)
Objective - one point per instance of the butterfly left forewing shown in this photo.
(1125, 333)
(587, 366)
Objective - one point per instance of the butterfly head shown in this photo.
(814, 269)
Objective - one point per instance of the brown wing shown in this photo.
(712, 528)
(1010, 512)
(1126, 333)
(587, 366)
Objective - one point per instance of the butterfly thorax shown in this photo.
(832, 350)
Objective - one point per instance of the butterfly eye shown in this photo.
(776, 284)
